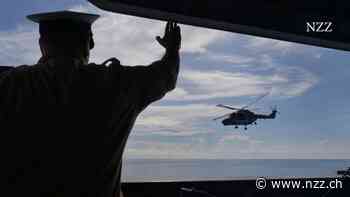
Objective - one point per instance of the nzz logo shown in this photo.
(319, 27)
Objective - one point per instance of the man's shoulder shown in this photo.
(22, 71)
(93, 66)
(109, 65)
(4, 69)
(25, 67)
(91, 69)
(12, 70)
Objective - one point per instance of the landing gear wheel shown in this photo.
(236, 127)
(245, 128)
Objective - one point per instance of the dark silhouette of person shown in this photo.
(64, 122)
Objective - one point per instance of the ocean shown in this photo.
(153, 170)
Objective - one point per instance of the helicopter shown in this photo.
(243, 116)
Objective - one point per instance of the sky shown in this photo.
(309, 86)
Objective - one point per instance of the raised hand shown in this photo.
(171, 40)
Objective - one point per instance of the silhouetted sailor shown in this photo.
(64, 122)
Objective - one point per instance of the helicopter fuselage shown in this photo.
(241, 117)
(246, 117)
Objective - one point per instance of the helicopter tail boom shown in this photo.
(270, 116)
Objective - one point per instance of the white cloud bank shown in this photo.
(235, 146)
(282, 82)
(132, 39)
(19, 46)
(184, 120)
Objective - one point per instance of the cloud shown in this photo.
(258, 44)
(184, 120)
(19, 46)
(228, 146)
(235, 59)
(132, 39)
(212, 84)
(161, 149)
(235, 146)
(238, 137)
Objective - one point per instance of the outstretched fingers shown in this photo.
(172, 36)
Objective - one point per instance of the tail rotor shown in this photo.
(274, 110)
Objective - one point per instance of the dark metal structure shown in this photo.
(344, 173)
(228, 188)
(322, 23)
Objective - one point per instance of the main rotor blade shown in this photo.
(228, 107)
(222, 116)
(256, 100)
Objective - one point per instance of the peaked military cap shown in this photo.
(52, 24)
(64, 15)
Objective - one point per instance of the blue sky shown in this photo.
(308, 84)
